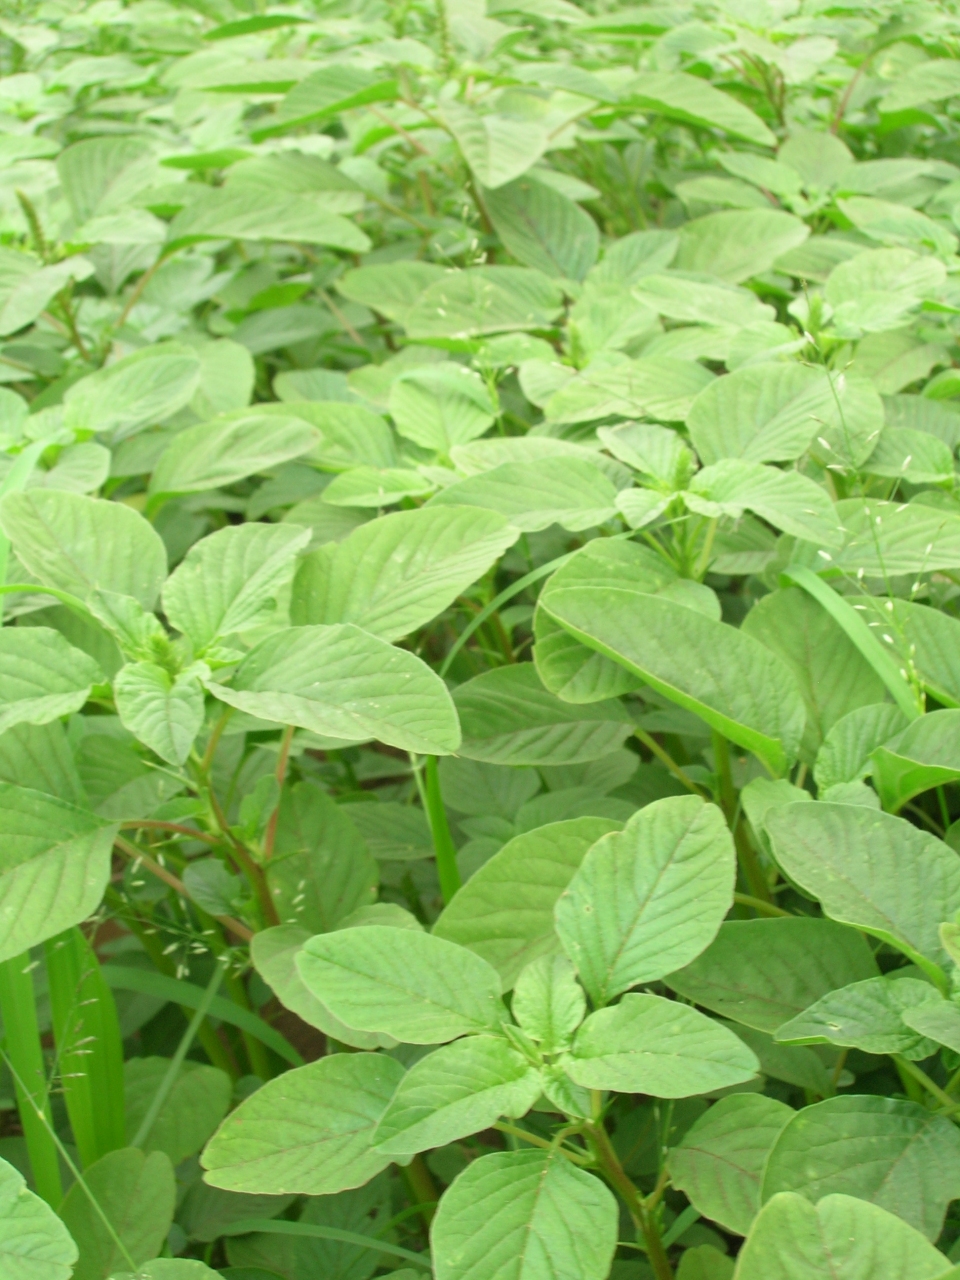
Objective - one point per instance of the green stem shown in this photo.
(256, 1052)
(644, 1222)
(758, 904)
(910, 1069)
(665, 758)
(444, 848)
(176, 1062)
(422, 1188)
(746, 855)
(535, 1140)
(25, 1054)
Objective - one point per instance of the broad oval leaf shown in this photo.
(893, 1153)
(54, 866)
(763, 972)
(923, 756)
(42, 677)
(795, 1240)
(164, 712)
(571, 492)
(344, 683)
(524, 1215)
(230, 580)
(504, 912)
(866, 1015)
(308, 1132)
(874, 871)
(648, 898)
(646, 1044)
(134, 392)
(719, 1161)
(508, 717)
(457, 1090)
(413, 986)
(34, 1243)
(722, 675)
(274, 954)
(78, 544)
(229, 448)
(396, 573)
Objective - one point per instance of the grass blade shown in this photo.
(248, 1225)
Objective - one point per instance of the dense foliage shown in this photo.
(480, 682)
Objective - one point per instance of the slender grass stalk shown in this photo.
(64, 1154)
(24, 1055)
(176, 1062)
(89, 1047)
(446, 853)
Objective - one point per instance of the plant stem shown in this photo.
(270, 836)
(137, 855)
(18, 1006)
(644, 1221)
(666, 759)
(749, 864)
(422, 1188)
(908, 1068)
(759, 904)
(446, 853)
(535, 1140)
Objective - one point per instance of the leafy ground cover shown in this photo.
(480, 673)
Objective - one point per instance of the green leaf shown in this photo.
(164, 712)
(507, 717)
(320, 871)
(570, 492)
(865, 1015)
(43, 677)
(375, 487)
(391, 288)
(34, 1243)
(926, 754)
(895, 1154)
(937, 1020)
(738, 243)
(395, 574)
(649, 898)
(646, 1044)
(720, 674)
(832, 675)
(416, 987)
(457, 1090)
(922, 638)
(143, 388)
(885, 539)
(795, 1240)
(442, 405)
(764, 972)
(873, 871)
(719, 1161)
(704, 1262)
(263, 215)
(350, 434)
(845, 754)
(785, 499)
(229, 448)
(78, 544)
(771, 412)
(524, 1215)
(196, 1104)
(342, 682)
(230, 580)
(548, 1002)
(484, 300)
(308, 1132)
(504, 912)
(653, 386)
(325, 92)
(274, 953)
(54, 866)
(136, 1194)
(700, 299)
(497, 148)
(39, 756)
(694, 100)
(543, 229)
